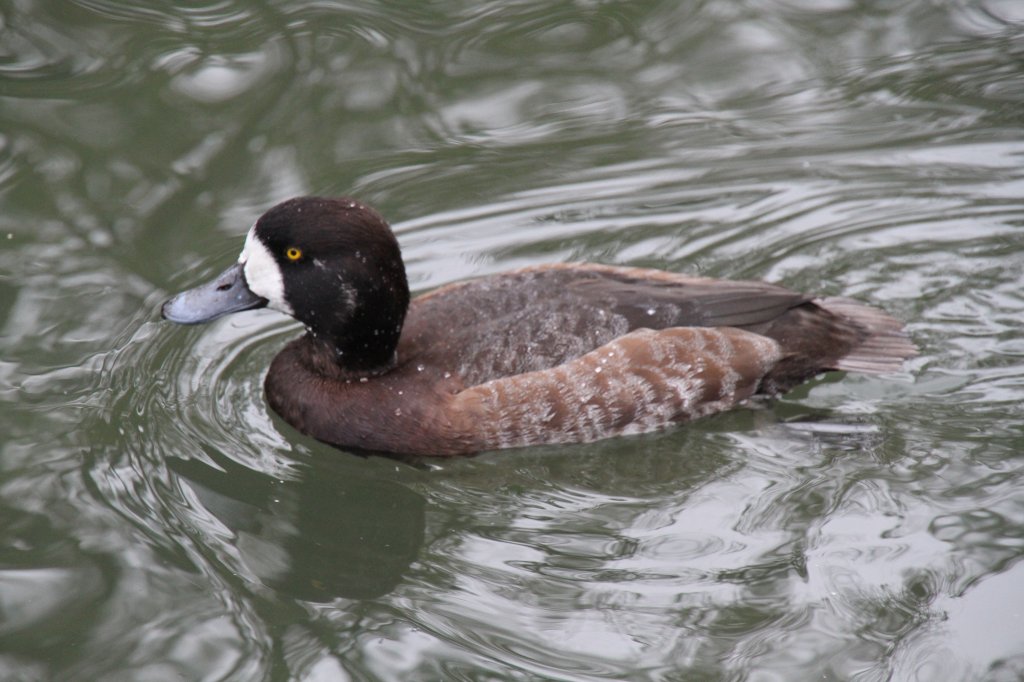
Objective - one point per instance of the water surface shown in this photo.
(158, 522)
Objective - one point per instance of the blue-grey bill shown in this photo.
(227, 293)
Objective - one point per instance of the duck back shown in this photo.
(540, 317)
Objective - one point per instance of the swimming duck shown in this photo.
(558, 353)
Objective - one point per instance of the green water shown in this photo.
(157, 522)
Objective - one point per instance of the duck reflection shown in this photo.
(316, 538)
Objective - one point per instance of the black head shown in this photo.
(335, 266)
(332, 264)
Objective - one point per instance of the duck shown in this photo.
(546, 354)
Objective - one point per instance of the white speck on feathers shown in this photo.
(660, 377)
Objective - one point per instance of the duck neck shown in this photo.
(361, 351)
(363, 340)
(327, 360)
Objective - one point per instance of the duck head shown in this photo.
(332, 264)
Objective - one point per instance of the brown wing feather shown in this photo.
(540, 317)
(640, 382)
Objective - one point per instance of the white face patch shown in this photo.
(262, 273)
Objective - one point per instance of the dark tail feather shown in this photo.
(886, 345)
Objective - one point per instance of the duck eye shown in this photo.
(293, 253)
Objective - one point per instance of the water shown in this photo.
(159, 523)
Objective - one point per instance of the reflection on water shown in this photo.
(302, 537)
(158, 522)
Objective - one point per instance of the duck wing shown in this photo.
(650, 299)
(540, 317)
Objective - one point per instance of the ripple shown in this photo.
(45, 57)
(973, 635)
(210, 393)
(47, 578)
(217, 14)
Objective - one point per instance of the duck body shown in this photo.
(557, 353)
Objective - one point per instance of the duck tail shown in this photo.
(886, 344)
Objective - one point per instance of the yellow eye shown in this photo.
(293, 253)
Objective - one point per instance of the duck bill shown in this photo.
(225, 294)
